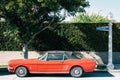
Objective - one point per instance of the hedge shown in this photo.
(69, 36)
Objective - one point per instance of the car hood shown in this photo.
(21, 61)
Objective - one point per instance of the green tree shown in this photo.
(30, 16)
(87, 18)
(8, 37)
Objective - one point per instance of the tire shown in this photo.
(21, 71)
(76, 72)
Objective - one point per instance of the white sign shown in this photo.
(103, 28)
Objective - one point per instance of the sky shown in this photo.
(104, 7)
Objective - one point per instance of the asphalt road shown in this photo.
(97, 75)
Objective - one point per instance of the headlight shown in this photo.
(10, 67)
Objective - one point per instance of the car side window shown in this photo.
(55, 56)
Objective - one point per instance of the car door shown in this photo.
(53, 63)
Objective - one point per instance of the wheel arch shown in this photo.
(76, 66)
(22, 66)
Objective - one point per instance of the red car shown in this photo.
(52, 62)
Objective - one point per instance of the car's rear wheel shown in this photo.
(76, 71)
(21, 71)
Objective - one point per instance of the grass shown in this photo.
(3, 66)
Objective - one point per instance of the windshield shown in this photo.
(43, 57)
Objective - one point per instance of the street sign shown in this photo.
(103, 28)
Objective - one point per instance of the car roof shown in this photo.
(59, 52)
(69, 54)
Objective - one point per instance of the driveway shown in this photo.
(96, 75)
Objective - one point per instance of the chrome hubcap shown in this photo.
(21, 71)
(77, 72)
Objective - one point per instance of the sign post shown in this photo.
(108, 28)
(110, 65)
(102, 28)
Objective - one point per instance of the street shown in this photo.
(96, 75)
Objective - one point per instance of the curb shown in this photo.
(106, 70)
(114, 70)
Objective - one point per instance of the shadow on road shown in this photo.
(98, 74)
(49, 75)
(4, 71)
(92, 74)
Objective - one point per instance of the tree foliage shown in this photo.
(87, 18)
(64, 36)
(29, 16)
(8, 37)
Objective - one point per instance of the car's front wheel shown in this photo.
(76, 72)
(21, 71)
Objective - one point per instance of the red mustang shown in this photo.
(52, 62)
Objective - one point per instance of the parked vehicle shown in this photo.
(52, 62)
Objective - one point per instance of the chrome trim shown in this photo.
(10, 68)
(50, 72)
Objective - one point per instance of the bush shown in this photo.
(64, 36)
(77, 37)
